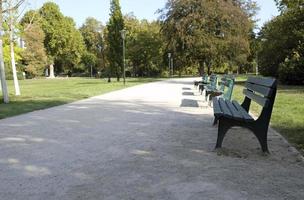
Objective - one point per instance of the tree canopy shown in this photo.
(92, 33)
(114, 40)
(282, 50)
(63, 42)
(208, 33)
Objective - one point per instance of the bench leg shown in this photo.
(222, 130)
(215, 121)
(262, 138)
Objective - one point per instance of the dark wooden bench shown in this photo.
(230, 113)
(224, 89)
(211, 83)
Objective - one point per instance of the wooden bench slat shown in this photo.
(235, 113)
(216, 107)
(265, 91)
(259, 99)
(224, 107)
(242, 111)
(267, 82)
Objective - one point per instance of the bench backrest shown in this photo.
(205, 78)
(227, 85)
(261, 90)
(213, 80)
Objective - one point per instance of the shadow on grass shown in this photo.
(91, 83)
(294, 134)
(20, 107)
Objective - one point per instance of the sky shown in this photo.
(142, 9)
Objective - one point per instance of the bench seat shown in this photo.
(232, 110)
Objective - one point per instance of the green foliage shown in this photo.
(208, 33)
(34, 56)
(89, 60)
(287, 4)
(30, 17)
(92, 31)
(144, 47)
(292, 70)
(62, 41)
(7, 57)
(114, 40)
(282, 46)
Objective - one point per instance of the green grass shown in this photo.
(44, 93)
(288, 112)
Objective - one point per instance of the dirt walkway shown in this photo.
(153, 141)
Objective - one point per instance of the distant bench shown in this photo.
(230, 113)
(203, 81)
(224, 89)
(211, 83)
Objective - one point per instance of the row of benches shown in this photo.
(228, 114)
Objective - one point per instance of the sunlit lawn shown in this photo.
(45, 93)
(288, 112)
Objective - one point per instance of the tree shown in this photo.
(207, 33)
(63, 42)
(144, 46)
(92, 33)
(2, 69)
(12, 17)
(114, 40)
(282, 50)
(287, 4)
(34, 56)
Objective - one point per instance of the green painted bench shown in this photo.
(230, 113)
(211, 83)
(224, 90)
(203, 81)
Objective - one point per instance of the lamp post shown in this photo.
(123, 36)
(172, 67)
(91, 71)
(169, 63)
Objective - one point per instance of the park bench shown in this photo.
(203, 81)
(211, 83)
(224, 89)
(230, 113)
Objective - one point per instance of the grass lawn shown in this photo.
(44, 93)
(288, 112)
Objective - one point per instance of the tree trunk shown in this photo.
(2, 70)
(52, 75)
(209, 68)
(13, 63)
(201, 68)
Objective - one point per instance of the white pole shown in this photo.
(2, 69)
(124, 61)
(13, 63)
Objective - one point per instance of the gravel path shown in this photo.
(153, 141)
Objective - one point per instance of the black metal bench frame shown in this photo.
(229, 114)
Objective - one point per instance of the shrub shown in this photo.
(292, 71)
